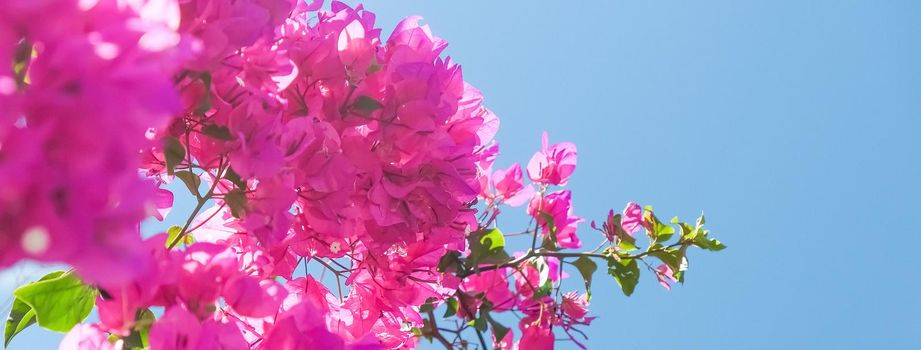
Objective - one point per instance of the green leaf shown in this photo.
(191, 181)
(627, 243)
(174, 232)
(451, 303)
(495, 238)
(660, 232)
(59, 302)
(544, 283)
(483, 319)
(138, 338)
(174, 153)
(428, 306)
(236, 200)
(487, 246)
(672, 257)
(374, 67)
(205, 104)
(21, 316)
(683, 263)
(548, 219)
(417, 332)
(549, 243)
(234, 178)
(688, 233)
(451, 261)
(626, 272)
(707, 243)
(587, 268)
(21, 59)
(366, 104)
(701, 237)
(217, 131)
(498, 330)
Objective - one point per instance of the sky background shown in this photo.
(793, 125)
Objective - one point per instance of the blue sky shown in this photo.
(794, 125)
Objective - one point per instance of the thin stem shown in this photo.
(208, 219)
(479, 334)
(201, 204)
(436, 334)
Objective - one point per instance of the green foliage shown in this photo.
(217, 132)
(234, 178)
(698, 235)
(660, 232)
(549, 242)
(450, 262)
(366, 105)
(21, 316)
(487, 246)
(140, 332)
(191, 181)
(174, 152)
(625, 242)
(626, 272)
(205, 104)
(484, 318)
(236, 200)
(587, 268)
(58, 301)
(545, 283)
(674, 257)
(428, 306)
(451, 304)
(175, 231)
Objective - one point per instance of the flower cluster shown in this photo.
(305, 139)
(80, 84)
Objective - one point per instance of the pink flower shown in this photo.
(633, 218)
(86, 337)
(535, 337)
(507, 343)
(554, 213)
(575, 306)
(79, 199)
(254, 298)
(494, 284)
(301, 328)
(609, 228)
(224, 26)
(664, 274)
(553, 164)
(509, 187)
(163, 201)
(177, 329)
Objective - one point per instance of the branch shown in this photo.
(201, 203)
(534, 253)
(435, 333)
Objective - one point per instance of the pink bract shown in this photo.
(307, 140)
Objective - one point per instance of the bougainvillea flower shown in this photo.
(633, 218)
(553, 164)
(555, 214)
(664, 274)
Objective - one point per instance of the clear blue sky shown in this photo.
(794, 125)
